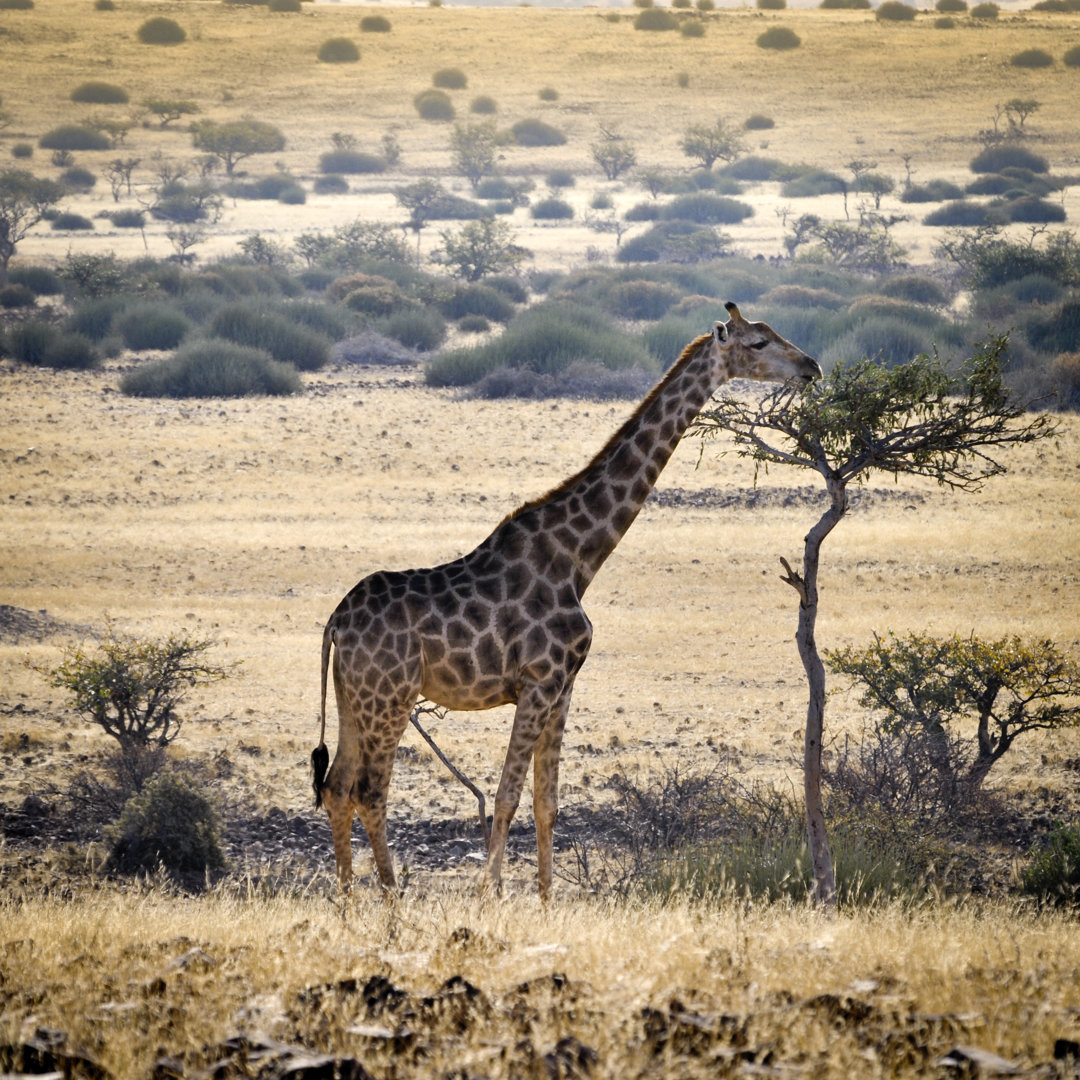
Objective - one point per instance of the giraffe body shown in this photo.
(505, 623)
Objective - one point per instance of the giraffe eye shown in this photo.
(758, 344)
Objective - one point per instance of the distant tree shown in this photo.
(118, 173)
(1019, 109)
(25, 200)
(169, 109)
(420, 199)
(473, 147)
(875, 185)
(914, 419)
(707, 143)
(480, 247)
(614, 156)
(653, 179)
(235, 140)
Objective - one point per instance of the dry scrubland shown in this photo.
(247, 520)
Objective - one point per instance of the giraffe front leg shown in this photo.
(546, 794)
(339, 809)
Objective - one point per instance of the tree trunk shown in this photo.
(806, 586)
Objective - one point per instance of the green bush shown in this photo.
(161, 31)
(330, 185)
(915, 288)
(705, 5)
(884, 338)
(560, 178)
(953, 7)
(944, 22)
(985, 11)
(153, 325)
(757, 122)
(771, 5)
(375, 24)
(73, 137)
(434, 105)
(895, 11)
(476, 299)
(961, 214)
(1032, 58)
(22, 150)
(1053, 872)
(704, 208)
(99, 93)
(284, 6)
(674, 241)
(852, 5)
(16, 5)
(754, 168)
(1072, 57)
(212, 368)
(78, 178)
(1030, 209)
(931, 191)
(14, 296)
(495, 187)
(804, 296)
(322, 318)
(450, 79)
(338, 50)
(551, 209)
(692, 29)
(547, 93)
(72, 352)
(423, 329)
(71, 222)
(104, 5)
(510, 287)
(1060, 331)
(483, 105)
(655, 19)
(39, 279)
(473, 324)
(810, 183)
(29, 342)
(94, 318)
(258, 326)
(779, 37)
(170, 823)
(533, 132)
(352, 162)
(641, 299)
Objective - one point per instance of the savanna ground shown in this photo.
(247, 520)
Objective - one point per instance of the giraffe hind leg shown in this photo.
(546, 794)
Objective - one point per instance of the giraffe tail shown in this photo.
(320, 756)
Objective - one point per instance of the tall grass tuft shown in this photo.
(261, 326)
(212, 368)
(153, 325)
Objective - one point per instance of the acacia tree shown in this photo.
(915, 419)
(24, 200)
(474, 150)
(708, 143)
(235, 140)
(480, 247)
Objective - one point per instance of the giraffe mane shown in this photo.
(673, 372)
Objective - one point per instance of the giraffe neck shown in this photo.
(587, 515)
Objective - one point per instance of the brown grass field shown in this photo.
(246, 521)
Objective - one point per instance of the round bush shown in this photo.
(705, 5)
(692, 29)
(931, 191)
(895, 11)
(104, 5)
(483, 105)
(996, 159)
(71, 222)
(39, 279)
(153, 326)
(758, 122)
(534, 132)
(681, 4)
(1053, 873)
(1032, 58)
(422, 329)
(264, 328)
(77, 178)
(779, 37)
(959, 213)
(128, 219)
(601, 201)
(551, 210)
(285, 6)
(951, 7)
(473, 324)
(330, 185)
(655, 19)
(560, 178)
(29, 342)
(705, 208)
(375, 24)
(22, 150)
(916, 288)
(434, 105)
(99, 93)
(212, 368)
(985, 11)
(548, 93)
(94, 317)
(641, 299)
(338, 50)
(1030, 209)
(478, 299)
(771, 5)
(73, 137)
(1072, 57)
(944, 22)
(352, 162)
(16, 5)
(449, 79)
(161, 31)
(14, 296)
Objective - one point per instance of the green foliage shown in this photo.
(1053, 871)
(1072, 57)
(73, 137)
(14, 296)
(16, 5)
(961, 213)
(338, 50)
(853, 5)
(771, 5)
(944, 22)
(351, 162)
(987, 258)
(170, 823)
(234, 140)
(473, 324)
(655, 19)
(78, 178)
(811, 182)
(477, 299)
(533, 132)
(985, 11)
(153, 325)
(161, 31)
(547, 93)
(551, 209)
(1032, 58)
(951, 7)
(931, 191)
(69, 221)
(22, 150)
(423, 329)
(708, 143)
(450, 79)
(780, 37)
(169, 109)
(483, 105)
(330, 185)
(917, 288)
(614, 156)
(434, 105)
(895, 11)
(759, 121)
(260, 326)
(641, 299)
(705, 208)
(676, 242)
(209, 369)
(481, 247)
(42, 345)
(474, 147)
(1059, 331)
(94, 317)
(284, 6)
(375, 24)
(99, 93)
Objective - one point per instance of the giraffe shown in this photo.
(504, 623)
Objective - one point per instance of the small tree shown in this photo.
(25, 199)
(480, 247)
(1006, 688)
(1019, 109)
(235, 140)
(915, 419)
(707, 143)
(169, 109)
(118, 173)
(614, 156)
(473, 146)
(420, 199)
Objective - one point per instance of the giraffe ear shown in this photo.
(720, 333)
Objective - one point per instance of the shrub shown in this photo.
(99, 93)
(434, 105)
(22, 150)
(161, 31)
(803, 296)
(338, 50)
(39, 279)
(985, 11)
(757, 122)
(944, 22)
(1072, 57)
(423, 329)
(1060, 332)
(259, 326)
(692, 29)
(330, 185)
(14, 295)
(476, 299)
(104, 5)
(16, 5)
(94, 317)
(894, 11)
(449, 79)
(212, 368)
(1053, 873)
(170, 823)
(931, 191)
(1032, 210)
(854, 5)
(641, 299)
(473, 324)
(916, 288)
(1032, 58)
(754, 168)
(284, 6)
(29, 342)
(995, 159)
(510, 287)
(54, 350)
(552, 209)
(548, 93)
(704, 208)
(601, 200)
(560, 178)
(772, 5)
(532, 132)
(153, 325)
(352, 162)
(643, 211)
(375, 24)
(483, 105)
(77, 178)
(778, 37)
(71, 222)
(675, 241)
(812, 182)
(655, 19)
(73, 137)
(951, 6)
(705, 5)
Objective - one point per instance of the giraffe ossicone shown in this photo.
(504, 623)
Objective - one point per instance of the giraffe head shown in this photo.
(754, 350)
